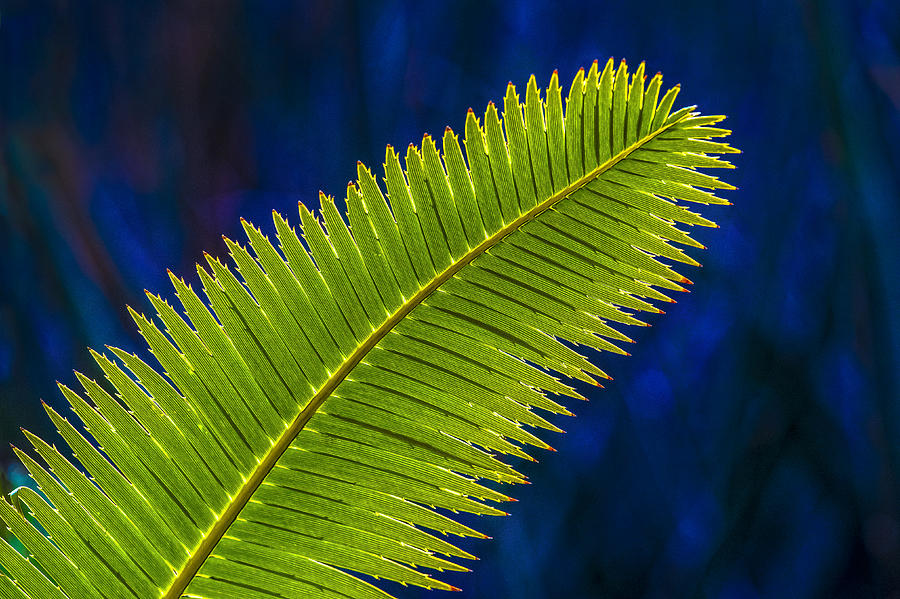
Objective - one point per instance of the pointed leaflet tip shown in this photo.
(453, 588)
(686, 281)
(598, 62)
(470, 111)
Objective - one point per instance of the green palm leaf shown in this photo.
(319, 415)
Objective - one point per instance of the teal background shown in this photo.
(749, 448)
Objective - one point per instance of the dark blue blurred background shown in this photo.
(749, 448)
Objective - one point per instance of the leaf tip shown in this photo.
(686, 280)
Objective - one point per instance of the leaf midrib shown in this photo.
(239, 500)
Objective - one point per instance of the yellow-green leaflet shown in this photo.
(324, 400)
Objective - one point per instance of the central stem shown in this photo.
(224, 522)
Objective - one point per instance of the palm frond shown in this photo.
(318, 415)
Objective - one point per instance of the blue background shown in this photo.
(749, 448)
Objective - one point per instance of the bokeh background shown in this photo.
(748, 449)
